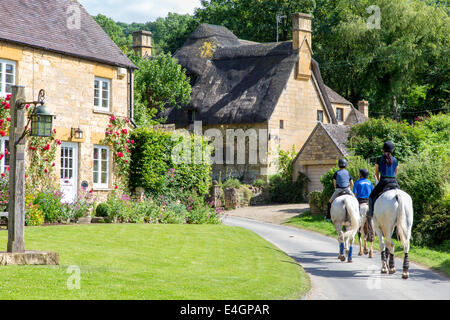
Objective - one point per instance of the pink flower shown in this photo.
(54, 130)
(6, 151)
(132, 141)
(8, 119)
(7, 106)
(8, 97)
(47, 147)
(124, 131)
(113, 118)
(120, 154)
(116, 187)
(2, 133)
(58, 141)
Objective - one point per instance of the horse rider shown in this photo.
(362, 189)
(343, 182)
(386, 170)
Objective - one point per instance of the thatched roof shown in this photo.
(43, 25)
(237, 81)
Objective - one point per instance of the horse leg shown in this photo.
(405, 274)
(340, 241)
(390, 251)
(370, 249)
(365, 233)
(360, 246)
(383, 254)
(350, 250)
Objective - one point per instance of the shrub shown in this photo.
(231, 183)
(425, 178)
(260, 183)
(367, 139)
(50, 204)
(317, 202)
(151, 161)
(284, 190)
(102, 210)
(33, 215)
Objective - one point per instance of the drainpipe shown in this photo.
(131, 93)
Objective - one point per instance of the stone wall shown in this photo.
(297, 108)
(69, 86)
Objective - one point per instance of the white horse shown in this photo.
(364, 232)
(393, 209)
(338, 216)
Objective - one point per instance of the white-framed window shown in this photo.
(4, 163)
(102, 94)
(101, 167)
(7, 76)
(319, 115)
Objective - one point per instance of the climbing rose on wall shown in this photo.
(117, 137)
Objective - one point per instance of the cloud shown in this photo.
(138, 10)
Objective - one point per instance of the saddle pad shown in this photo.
(344, 192)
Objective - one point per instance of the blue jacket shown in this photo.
(363, 188)
(342, 178)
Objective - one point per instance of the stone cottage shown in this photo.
(274, 89)
(325, 146)
(55, 45)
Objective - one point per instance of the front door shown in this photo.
(69, 171)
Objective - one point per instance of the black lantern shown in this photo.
(76, 133)
(41, 121)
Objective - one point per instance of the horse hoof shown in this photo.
(349, 260)
(391, 270)
(360, 254)
(346, 251)
(342, 258)
(383, 270)
(405, 275)
(366, 251)
(370, 254)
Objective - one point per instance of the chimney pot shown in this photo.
(142, 43)
(363, 107)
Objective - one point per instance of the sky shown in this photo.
(138, 10)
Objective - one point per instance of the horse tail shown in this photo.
(353, 215)
(402, 225)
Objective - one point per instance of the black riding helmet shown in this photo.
(388, 146)
(342, 163)
(364, 173)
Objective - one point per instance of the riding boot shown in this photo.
(328, 216)
(370, 211)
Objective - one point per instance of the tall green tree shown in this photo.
(160, 82)
(115, 32)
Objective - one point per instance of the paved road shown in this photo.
(332, 279)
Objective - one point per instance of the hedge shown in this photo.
(153, 167)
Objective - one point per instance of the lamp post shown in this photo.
(41, 125)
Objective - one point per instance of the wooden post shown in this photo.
(16, 207)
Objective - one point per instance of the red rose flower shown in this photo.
(120, 154)
(124, 131)
(47, 147)
(7, 106)
(132, 141)
(112, 118)
(2, 133)
(116, 187)
(46, 171)
(8, 97)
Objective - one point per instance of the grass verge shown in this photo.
(435, 258)
(142, 261)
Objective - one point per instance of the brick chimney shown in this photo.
(363, 107)
(142, 43)
(301, 30)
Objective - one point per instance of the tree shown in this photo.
(115, 32)
(170, 33)
(160, 82)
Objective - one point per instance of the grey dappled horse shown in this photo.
(392, 209)
(338, 217)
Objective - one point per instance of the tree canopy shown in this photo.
(373, 50)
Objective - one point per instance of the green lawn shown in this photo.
(436, 258)
(144, 261)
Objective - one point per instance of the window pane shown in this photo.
(10, 79)
(105, 86)
(96, 84)
(95, 177)
(95, 153)
(104, 178)
(9, 68)
(105, 103)
(104, 154)
(95, 165)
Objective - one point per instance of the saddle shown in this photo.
(344, 192)
(389, 186)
